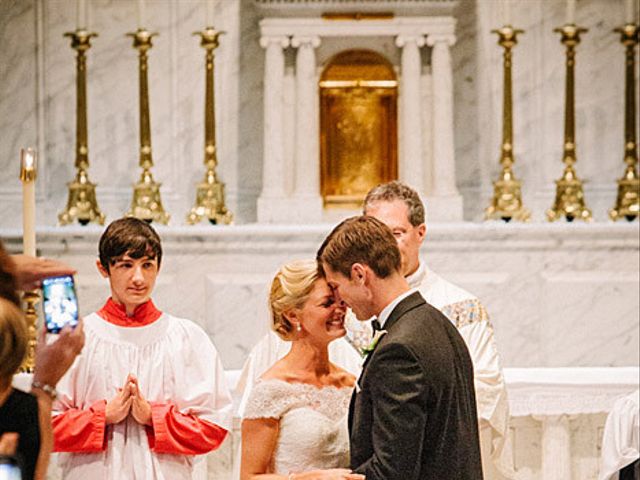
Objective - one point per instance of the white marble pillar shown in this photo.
(307, 206)
(411, 168)
(556, 447)
(272, 203)
(445, 202)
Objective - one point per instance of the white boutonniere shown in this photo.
(371, 347)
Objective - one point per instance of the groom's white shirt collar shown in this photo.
(386, 311)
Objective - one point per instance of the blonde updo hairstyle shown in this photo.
(13, 341)
(290, 290)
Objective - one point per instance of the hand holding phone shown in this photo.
(60, 303)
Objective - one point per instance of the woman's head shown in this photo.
(302, 303)
(13, 341)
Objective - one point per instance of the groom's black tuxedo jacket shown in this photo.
(413, 413)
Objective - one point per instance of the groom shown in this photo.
(413, 414)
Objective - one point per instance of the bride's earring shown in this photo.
(298, 328)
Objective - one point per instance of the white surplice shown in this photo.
(174, 361)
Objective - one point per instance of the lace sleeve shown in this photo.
(269, 399)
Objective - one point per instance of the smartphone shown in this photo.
(9, 468)
(59, 303)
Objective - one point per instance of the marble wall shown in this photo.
(538, 88)
(558, 295)
(37, 102)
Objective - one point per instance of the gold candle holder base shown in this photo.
(31, 316)
(506, 203)
(569, 202)
(628, 200)
(146, 203)
(210, 192)
(210, 204)
(82, 204)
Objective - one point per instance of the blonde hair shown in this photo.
(290, 289)
(13, 341)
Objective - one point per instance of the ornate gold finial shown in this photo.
(628, 199)
(506, 203)
(569, 201)
(146, 203)
(82, 203)
(210, 202)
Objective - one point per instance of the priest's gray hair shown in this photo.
(290, 290)
(388, 192)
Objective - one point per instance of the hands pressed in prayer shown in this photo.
(128, 400)
(119, 406)
(140, 407)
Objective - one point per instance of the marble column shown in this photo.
(556, 446)
(444, 202)
(272, 203)
(411, 168)
(307, 206)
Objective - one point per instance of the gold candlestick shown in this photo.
(628, 200)
(146, 203)
(569, 201)
(210, 192)
(507, 196)
(31, 316)
(82, 204)
(28, 174)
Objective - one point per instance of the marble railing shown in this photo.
(556, 425)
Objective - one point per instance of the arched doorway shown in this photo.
(358, 126)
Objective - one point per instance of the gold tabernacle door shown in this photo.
(358, 127)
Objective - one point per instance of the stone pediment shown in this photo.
(316, 8)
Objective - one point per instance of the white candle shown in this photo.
(506, 12)
(209, 13)
(142, 20)
(629, 11)
(28, 177)
(81, 14)
(571, 12)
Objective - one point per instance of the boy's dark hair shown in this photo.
(363, 240)
(128, 236)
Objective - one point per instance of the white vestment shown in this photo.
(174, 361)
(472, 321)
(621, 437)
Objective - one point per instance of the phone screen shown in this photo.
(60, 303)
(9, 469)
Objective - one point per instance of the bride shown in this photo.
(295, 420)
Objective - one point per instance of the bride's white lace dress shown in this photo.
(313, 430)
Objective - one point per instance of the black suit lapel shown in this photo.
(412, 301)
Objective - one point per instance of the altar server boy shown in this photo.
(148, 392)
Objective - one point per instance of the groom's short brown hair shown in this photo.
(363, 240)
